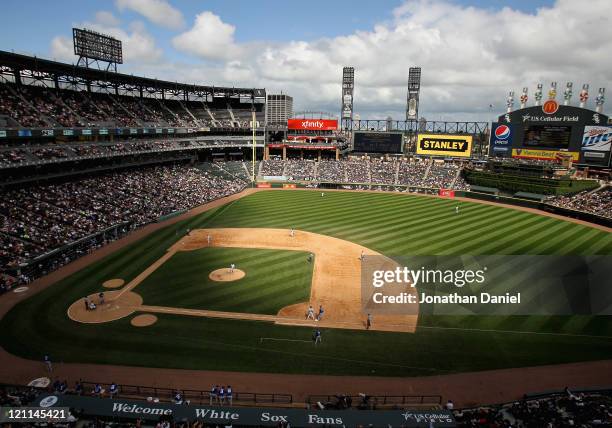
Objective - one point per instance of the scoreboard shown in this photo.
(377, 142)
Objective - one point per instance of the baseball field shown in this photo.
(205, 317)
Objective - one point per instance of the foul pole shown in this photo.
(253, 124)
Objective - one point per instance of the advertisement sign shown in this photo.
(24, 132)
(289, 186)
(313, 124)
(501, 138)
(444, 145)
(103, 131)
(2, 134)
(263, 185)
(86, 132)
(68, 132)
(47, 132)
(543, 154)
(446, 193)
(597, 138)
(247, 416)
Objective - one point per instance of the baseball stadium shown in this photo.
(176, 254)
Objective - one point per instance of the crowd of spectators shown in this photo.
(383, 172)
(370, 172)
(558, 411)
(35, 106)
(272, 167)
(302, 170)
(40, 218)
(14, 106)
(597, 202)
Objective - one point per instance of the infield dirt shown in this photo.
(336, 281)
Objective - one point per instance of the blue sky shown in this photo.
(28, 26)
(472, 51)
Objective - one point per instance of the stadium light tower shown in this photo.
(348, 85)
(414, 88)
(253, 125)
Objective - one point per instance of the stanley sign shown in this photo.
(444, 145)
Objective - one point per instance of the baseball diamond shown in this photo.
(203, 317)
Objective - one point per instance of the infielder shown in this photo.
(47, 361)
(310, 313)
(232, 267)
(292, 233)
(209, 239)
(320, 314)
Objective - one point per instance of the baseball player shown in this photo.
(310, 313)
(47, 361)
(292, 233)
(457, 209)
(101, 296)
(362, 256)
(369, 322)
(322, 194)
(316, 336)
(209, 239)
(232, 267)
(221, 395)
(213, 394)
(320, 314)
(229, 395)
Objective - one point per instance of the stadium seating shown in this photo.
(33, 106)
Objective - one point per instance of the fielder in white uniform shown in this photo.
(310, 314)
(232, 267)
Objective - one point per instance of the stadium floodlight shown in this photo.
(538, 94)
(348, 85)
(510, 101)
(414, 88)
(92, 47)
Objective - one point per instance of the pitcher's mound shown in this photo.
(225, 275)
(113, 283)
(143, 320)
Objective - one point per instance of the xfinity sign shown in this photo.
(312, 124)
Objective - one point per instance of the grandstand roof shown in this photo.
(24, 62)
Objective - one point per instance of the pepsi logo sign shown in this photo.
(550, 107)
(502, 132)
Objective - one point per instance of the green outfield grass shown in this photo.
(393, 224)
(274, 279)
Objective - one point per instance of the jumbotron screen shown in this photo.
(377, 142)
(547, 136)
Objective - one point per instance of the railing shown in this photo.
(194, 396)
(371, 401)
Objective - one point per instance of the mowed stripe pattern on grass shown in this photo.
(401, 225)
(274, 279)
(389, 223)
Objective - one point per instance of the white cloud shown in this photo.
(209, 38)
(62, 50)
(159, 12)
(470, 58)
(104, 17)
